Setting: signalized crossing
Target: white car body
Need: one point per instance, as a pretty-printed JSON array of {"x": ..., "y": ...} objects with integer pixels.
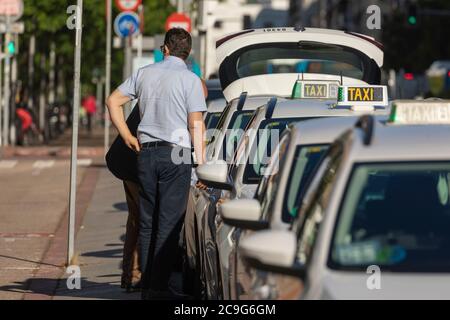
[
  {"x": 388, "y": 143},
  {"x": 226, "y": 235}
]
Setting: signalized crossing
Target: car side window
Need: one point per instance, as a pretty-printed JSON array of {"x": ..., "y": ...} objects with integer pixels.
[
  {"x": 268, "y": 188},
  {"x": 316, "y": 201}
]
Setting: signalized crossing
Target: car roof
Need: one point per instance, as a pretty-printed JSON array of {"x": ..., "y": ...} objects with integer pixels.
[
  {"x": 320, "y": 131},
  {"x": 217, "y": 105},
  {"x": 305, "y": 108},
  {"x": 252, "y": 102},
  {"x": 392, "y": 142}
]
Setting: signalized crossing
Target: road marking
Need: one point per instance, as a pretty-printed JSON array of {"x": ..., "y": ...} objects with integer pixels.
[
  {"x": 43, "y": 164},
  {"x": 20, "y": 268},
  {"x": 8, "y": 164},
  {"x": 39, "y": 165},
  {"x": 26, "y": 235},
  {"x": 84, "y": 162}
]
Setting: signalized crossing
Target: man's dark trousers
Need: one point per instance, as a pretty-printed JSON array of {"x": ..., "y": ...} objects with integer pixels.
[{"x": 163, "y": 200}]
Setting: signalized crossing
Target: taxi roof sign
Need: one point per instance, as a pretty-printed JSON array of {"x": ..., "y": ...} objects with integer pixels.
[
  {"x": 310, "y": 89},
  {"x": 420, "y": 112},
  {"x": 363, "y": 95}
]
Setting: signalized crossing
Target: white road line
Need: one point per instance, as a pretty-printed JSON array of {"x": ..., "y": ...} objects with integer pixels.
[
  {"x": 8, "y": 164},
  {"x": 43, "y": 164},
  {"x": 84, "y": 162},
  {"x": 39, "y": 165}
]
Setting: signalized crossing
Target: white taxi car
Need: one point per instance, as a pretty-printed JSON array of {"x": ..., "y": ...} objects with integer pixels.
[
  {"x": 251, "y": 160},
  {"x": 374, "y": 222},
  {"x": 245, "y": 65},
  {"x": 280, "y": 191}
]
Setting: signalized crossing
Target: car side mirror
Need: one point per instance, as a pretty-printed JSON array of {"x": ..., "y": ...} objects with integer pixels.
[
  {"x": 214, "y": 175},
  {"x": 243, "y": 213},
  {"x": 272, "y": 251}
]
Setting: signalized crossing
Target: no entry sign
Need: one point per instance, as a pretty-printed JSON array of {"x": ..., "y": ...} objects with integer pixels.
[
  {"x": 128, "y": 5},
  {"x": 178, "y": 20}
]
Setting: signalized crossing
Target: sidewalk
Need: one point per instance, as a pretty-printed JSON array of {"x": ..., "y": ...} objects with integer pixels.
[{"x": 99, "y": 244}]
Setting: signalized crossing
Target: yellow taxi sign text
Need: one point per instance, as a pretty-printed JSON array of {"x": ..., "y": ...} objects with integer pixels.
[
  {"x": 363, "y": 95},
  {"x": 420, "y": 112}
]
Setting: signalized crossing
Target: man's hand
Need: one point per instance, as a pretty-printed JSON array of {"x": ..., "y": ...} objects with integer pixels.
[
  {"x": 200, "y": 186},
  {"x": 133, "y": 143}
]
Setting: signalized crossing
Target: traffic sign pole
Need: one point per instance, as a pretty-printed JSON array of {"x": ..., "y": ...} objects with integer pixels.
[
  {"x": 75, "y": 117},
  {"x": 108, "y": 68},
  {"x": 6, "y": 96}
]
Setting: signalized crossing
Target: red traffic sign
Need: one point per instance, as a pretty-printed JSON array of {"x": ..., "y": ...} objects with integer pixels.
[
  {"x": 12, "y": 9},
  {"x": 178, "y": 20},
  {"x": 128, "y": 5}
]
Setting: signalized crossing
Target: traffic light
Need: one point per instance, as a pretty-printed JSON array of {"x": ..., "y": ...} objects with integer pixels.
[
  {"x": 11, "y": 48},
  {"x": 412, "y": 15}
]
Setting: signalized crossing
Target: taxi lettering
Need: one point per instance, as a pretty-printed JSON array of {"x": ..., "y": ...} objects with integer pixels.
[
  {"x": 361, "y": 94},
  {"x": 315, "y": 90}
]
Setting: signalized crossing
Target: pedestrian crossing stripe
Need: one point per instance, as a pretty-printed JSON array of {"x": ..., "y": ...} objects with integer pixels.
[
  {"x": 84, "y": 162},
  {"x": 8, "y": 164},
  {"x": 43, "y": 164}
]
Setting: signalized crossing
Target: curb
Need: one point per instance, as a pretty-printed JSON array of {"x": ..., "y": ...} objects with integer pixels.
[{"x": 45, "y": 281}]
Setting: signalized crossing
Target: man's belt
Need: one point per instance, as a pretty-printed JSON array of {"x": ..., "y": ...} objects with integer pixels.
[{"x": 155, "y": 144}]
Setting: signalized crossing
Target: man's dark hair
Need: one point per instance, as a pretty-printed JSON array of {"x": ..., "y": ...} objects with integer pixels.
[{"x": 179, "y": 42}]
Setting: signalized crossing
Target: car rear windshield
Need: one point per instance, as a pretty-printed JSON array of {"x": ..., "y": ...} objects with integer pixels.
[
  {"x": 305, "y": 162},
  {"x": 304, "y": 57},
  {"x": 266, "y": 140},
  {"x": 396, "y": 216}
]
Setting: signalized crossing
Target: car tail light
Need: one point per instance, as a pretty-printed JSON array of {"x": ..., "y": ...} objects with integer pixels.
[
  {"x": 231, "y": 36},
  {"x": 408, "y": 76}
]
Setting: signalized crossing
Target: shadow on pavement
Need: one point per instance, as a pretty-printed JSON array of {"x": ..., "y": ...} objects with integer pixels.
[
  {"x": 121, "y": 206},
  {"x": 89, "y": 289},
  {"x": 113, "y": 253}
]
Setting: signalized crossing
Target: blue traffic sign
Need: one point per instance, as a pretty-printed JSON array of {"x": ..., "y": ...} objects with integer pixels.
[{"x": 126, "y": 24}]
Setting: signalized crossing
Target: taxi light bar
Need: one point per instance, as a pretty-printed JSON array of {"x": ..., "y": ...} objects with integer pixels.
[
  {"x": 311, "y": 89},
  {"x": 420, "y": 112},
  {"x": 360, "y": 96}
]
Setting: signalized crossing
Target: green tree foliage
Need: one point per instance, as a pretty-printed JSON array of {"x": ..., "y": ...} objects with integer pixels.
[{"x": 47, "y": 21}]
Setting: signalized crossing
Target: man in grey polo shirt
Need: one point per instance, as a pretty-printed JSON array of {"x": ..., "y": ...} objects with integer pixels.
[{"x": 171, "y": 102}]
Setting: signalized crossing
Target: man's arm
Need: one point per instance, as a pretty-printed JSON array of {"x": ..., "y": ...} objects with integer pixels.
[
  {"x": 197, "y": 131},
  {"x": 115, "y": 103}
]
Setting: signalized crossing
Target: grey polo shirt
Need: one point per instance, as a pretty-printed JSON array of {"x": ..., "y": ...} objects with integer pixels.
[{"x": 167, "y": 92}]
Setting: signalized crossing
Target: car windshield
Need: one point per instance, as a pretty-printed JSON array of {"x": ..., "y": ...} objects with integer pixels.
[
  {"x": 212, "y": 119},
  {"x": 233, "y": 135},
  {"x": 306, "y": 160},
  {"x": 211, "y": 122},
  {"x": 267, "y": 138},
  {"x": 304, "y": 57},
  {"x": 396, "y": 216}
]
